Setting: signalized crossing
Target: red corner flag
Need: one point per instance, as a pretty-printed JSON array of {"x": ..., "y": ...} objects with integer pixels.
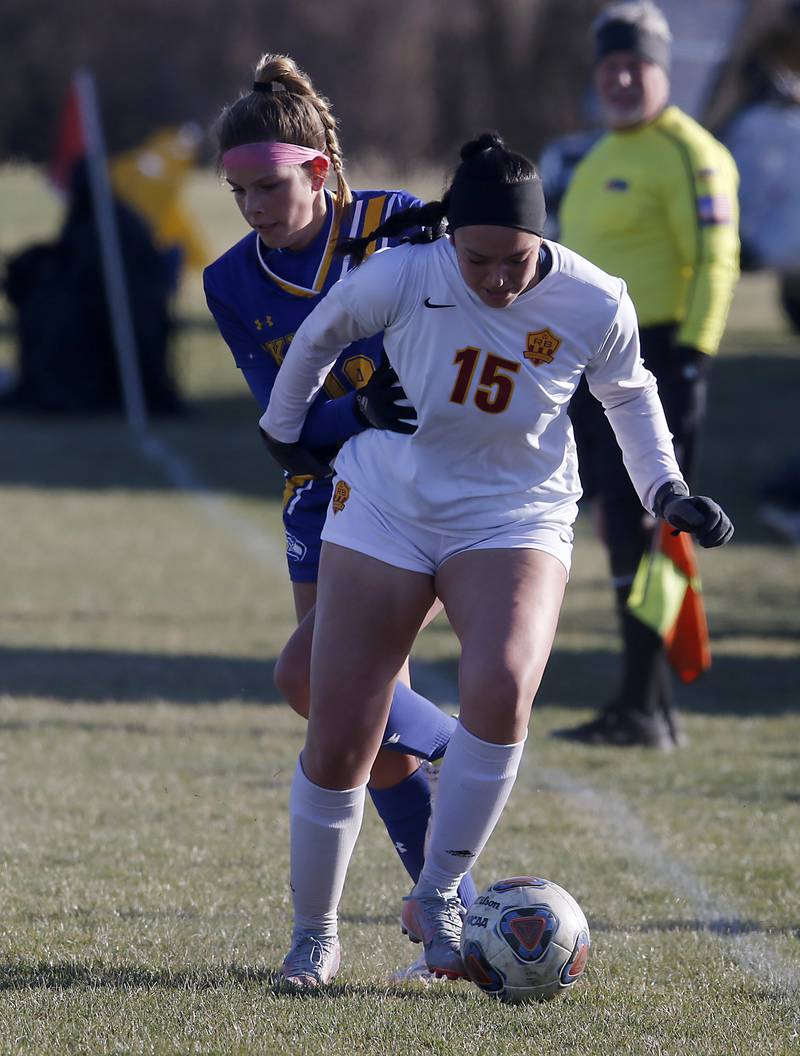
[
  {"x": 667, "y": 596},
  {"x": 71, "y": 142}
]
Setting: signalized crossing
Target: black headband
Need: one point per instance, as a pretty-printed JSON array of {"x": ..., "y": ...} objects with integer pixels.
[
  {"x": 625, "y": 36},
  {"x": 270, "y": 87},
  {"x": 476, "y": 201}
]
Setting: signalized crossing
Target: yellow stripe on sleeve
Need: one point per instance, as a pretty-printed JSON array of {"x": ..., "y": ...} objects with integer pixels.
[{"x": 372, "y": 219}]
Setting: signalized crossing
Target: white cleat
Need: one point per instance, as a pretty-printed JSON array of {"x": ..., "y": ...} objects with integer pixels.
[
  {"x": 311, "y": 963},
  {"x": 417, "y": 972},
  {"x": 432, "y": 771}
]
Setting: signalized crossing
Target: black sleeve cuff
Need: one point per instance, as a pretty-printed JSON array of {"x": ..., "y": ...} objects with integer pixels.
[{"x": 673, "y": 489}]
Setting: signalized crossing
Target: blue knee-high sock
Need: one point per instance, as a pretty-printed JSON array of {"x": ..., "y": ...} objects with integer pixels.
[
  {"x": 405, "y": 811},
  {"x": 416, "y": 726}
]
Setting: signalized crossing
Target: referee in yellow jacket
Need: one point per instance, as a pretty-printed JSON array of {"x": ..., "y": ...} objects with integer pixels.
[{"x": 655, "y": 202}]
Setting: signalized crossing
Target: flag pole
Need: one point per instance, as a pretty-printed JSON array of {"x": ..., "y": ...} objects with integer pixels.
[{"x": 116, "y": 289}]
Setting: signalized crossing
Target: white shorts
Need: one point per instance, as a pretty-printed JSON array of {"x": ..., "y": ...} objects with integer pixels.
[{"x": 353, "y": 521}]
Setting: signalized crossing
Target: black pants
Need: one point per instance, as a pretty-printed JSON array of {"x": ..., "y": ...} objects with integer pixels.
[{"x": 682, "y": 376}]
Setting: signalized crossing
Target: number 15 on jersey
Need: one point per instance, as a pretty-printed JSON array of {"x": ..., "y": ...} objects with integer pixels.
[{"x": 495, "y": 385}]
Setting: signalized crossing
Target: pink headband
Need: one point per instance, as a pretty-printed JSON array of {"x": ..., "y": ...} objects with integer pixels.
[{"x": 272, "y": 154}]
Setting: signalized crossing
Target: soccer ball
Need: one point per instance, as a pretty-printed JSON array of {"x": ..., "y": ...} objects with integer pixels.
[{"x": 525, "y": 939}]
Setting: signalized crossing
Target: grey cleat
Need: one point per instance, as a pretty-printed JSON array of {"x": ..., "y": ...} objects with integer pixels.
[
  {"x": 311, "y": 963},
  {"x": 435, "y": 921}
]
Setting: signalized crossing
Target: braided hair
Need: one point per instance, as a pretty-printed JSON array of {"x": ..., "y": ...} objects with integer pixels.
[{"x": 291, "y": 112}]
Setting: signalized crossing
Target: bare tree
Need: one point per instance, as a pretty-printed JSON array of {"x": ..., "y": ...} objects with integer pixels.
[{"x": 408, "y": 81}]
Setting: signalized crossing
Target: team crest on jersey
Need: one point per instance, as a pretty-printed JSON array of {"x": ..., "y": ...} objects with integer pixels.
[
  {"x": 341, "y": 494},
  {"x": 541, "y": 346}
]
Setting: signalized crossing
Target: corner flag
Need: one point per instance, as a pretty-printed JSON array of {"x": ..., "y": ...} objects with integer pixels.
[
  {"x": 667, "y": 596},
  {"x": 80, "y": 136},
  {"x": 70, "y": 142}
]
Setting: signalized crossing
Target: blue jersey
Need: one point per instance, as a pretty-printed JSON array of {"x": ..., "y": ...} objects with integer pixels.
[{"x": 259, "y": 297}]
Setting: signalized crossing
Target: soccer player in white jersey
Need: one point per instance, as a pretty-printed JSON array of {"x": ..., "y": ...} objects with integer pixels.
[{"x": 489, "y": 330}]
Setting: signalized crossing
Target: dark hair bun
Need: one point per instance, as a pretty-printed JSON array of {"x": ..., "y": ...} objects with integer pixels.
[{"x": 485, "y": 141}]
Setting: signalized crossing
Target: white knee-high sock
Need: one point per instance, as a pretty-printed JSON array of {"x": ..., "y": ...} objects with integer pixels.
[
  {"x": 324, "y": 828},
  {"x": 475, "y": 782}
]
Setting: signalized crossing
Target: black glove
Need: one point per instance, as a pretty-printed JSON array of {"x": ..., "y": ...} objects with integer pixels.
[
  {"x": 377, "y": 406},
  {"x": 696, "y": 514},
  {"x": 298, "y": 461},
  {"x": 691, "y": 362}
]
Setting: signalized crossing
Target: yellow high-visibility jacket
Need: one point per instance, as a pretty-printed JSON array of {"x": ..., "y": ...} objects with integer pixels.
[{"x": 657, "y": 205}]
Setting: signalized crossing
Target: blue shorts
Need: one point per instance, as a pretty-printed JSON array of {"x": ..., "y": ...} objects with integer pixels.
[{"x": 305, "y": 504}]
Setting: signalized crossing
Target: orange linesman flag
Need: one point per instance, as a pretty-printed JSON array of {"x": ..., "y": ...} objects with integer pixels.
[{"x": 667, "y": 596}]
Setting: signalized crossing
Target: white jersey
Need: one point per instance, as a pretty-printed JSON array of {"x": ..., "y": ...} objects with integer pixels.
[{"x": 491, "y": 386}]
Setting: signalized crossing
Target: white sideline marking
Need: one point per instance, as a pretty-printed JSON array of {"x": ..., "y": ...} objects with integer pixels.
[
  {"x": 756, "y": 954},
  {"x": 255, "y": 542}
]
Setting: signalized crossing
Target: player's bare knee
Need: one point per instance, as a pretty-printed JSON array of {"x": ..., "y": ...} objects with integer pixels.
[
  {"x": 501, "y": 694},
  {"x": 338, "y": 769},
  {"x": 498, "y": 685},
  {"x": 291, "y": 682}
]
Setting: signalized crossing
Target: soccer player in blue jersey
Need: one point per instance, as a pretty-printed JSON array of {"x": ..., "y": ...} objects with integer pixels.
[{"x": 276, "y": 146}]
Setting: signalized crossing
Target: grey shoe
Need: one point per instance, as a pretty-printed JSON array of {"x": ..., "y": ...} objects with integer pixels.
[
  {"x": 435, "y": 921},
  {"x": 310, "y": 963}
]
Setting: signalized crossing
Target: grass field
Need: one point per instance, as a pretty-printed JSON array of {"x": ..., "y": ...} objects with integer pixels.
[{"x": 146, "y": 757}]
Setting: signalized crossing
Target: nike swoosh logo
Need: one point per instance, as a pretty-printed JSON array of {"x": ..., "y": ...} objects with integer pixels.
[{"x": 429, "y": 304}]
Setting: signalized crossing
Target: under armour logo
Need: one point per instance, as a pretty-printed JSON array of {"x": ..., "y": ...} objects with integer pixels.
[
  {"x": 394, "y": 739},
  {"x": 400, "y": 847}
]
